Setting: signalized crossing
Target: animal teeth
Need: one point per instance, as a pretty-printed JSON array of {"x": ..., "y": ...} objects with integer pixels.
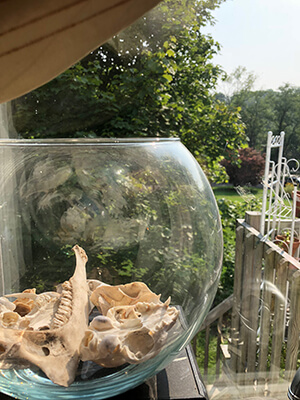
[
  {"x": 51, "y": 329},
  {"x": 127, "y": 333},
  {"x": 55, "y": 351}
]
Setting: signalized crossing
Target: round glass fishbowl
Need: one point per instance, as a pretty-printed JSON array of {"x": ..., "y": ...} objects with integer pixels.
[{"x": 143, "y": 213}]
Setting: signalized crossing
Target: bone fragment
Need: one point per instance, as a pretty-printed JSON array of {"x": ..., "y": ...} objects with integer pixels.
[
  {"x": 128, "y": 334},
  {"x": 105, "y": 296}
]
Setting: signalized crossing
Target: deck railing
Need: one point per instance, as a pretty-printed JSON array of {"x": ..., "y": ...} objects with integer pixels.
[{"x": 264, "y": 311}]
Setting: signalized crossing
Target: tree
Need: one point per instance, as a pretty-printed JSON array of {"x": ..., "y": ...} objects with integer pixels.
[
  {"x": 287, "y": 118},
  {"x": 268, "y": 110},
  {"x": 248, "y": 169},
  {"x": 257, "y": 113},
  {"x": 151, "y": 88},
  {"x": 237, "y": 83}
]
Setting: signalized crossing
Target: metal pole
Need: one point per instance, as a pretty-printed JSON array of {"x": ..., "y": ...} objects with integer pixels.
[
  {"x": 265, "y": 184},
  {"x": 293, "y": 221},
  {"x": 270, "y": 197},
  {"x": 284, "y": 171},
  {"x": 279, "y": 164}
]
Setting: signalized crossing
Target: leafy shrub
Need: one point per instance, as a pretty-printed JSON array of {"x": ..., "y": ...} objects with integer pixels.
[
  {"x": 289, "y": 188},
  {"x": 230, "y": 211},
  {"x": 249, "y": 167}
]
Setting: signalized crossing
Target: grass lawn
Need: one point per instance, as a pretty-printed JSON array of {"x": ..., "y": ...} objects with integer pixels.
[{"x": 230, "y": 193}]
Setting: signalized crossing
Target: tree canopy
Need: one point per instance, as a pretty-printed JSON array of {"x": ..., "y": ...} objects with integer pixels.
[
  {"x": 270, "y": 110},
  {"x": 143, "y": 82}
]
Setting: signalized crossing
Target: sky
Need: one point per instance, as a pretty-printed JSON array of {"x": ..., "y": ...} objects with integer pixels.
[{"x": 261, "y": 35}]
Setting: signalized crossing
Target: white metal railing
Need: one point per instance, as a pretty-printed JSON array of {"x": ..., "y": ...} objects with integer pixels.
[{"x": 277, "y": 204}]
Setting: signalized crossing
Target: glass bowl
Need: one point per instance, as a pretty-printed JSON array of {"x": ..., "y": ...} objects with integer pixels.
[{"x": 141, "y": 209}]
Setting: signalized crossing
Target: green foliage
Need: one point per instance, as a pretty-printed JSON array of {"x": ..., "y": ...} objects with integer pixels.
[
  {"x": 241, "y": 80},
  {"x": 143, "y": 84},
  {"x": 257, "y": 113},
  {"x": 289, "y": 188},
  {"x": 200, "y": 353},
  {"x": 140, "y": 215},
  {"x": 230, "y": 211},
  {"x": 268, "y": 110}
]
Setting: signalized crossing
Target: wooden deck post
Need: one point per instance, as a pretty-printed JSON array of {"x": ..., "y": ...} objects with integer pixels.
[
  {"x": 254, "y": 306},
  {"x": 245, "y": 304},
  {"x": 253, "y": 218},
  {"x": 206, "y": 353},
  {"x": 235, "y": 317},
  {"x": 279, "y": 316},
  {"x": 294, "y": 328},
  {"x": 268, "y": 282}
]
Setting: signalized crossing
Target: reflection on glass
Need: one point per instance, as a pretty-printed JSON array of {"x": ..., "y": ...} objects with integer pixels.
[{"x": 142, "y": 210}]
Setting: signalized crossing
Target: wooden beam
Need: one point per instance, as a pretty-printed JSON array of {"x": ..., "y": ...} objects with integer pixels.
[
  {"x": 235, "y": 316},
  {"x": 294, "y": 328},
  {"x": 266, "y": 311},
  {"x": 217, "y": 312},
  {"x": 279, "y": 316}
]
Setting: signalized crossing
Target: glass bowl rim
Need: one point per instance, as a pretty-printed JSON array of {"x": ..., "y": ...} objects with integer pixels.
[{"x": 87, "y": 141}]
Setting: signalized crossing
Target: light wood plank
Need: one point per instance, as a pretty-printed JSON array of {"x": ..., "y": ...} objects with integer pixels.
[
  {"x": 294, "y": 327},
  {"x": 245, "y": 303},
  {"x": 235, "y": 317},
  {"x": 254, "y": 305},
  {"x": 265, "y": 318},
  {"x": 218, "y": 355},
  {"x": 279, "y": 316},
  {"x": 206, "y": 353}
]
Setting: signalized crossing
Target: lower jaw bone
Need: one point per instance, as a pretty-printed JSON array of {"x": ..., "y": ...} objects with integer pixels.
[
  {"x": 55, "y": 351},
  {"x": 52, "y": 331}
]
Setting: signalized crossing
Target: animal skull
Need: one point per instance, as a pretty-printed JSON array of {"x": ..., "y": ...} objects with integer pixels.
[
  {"x": 128, "y": 334},
  {"x": 104, "y": 296},
  {"x": 50, "y": 330}
]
